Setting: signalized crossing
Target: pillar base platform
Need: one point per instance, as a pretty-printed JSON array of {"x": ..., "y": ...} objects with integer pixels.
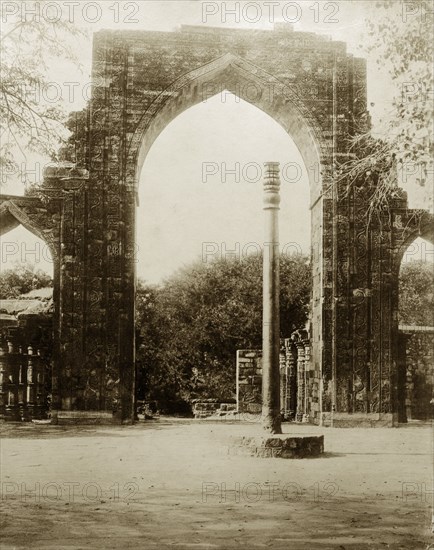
[{"x": 278, "y": 446}]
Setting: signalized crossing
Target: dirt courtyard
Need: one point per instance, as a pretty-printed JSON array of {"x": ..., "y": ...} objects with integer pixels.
[{"x": 172, "y": 484}]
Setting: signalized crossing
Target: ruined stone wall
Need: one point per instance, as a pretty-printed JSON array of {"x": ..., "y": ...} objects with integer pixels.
[{"x": 249, "y": 381}]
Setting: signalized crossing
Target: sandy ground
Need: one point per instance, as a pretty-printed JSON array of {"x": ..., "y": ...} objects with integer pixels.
[{"x": 172, "y": 484}]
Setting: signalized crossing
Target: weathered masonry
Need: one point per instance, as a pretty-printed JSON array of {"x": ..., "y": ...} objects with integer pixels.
[{"x": 86, "y": 213}]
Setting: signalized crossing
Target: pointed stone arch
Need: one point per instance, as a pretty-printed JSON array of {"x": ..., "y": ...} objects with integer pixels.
[
  {"x": 411, "y": 225},
  {"x": 33, "y": 216},
  {"x": 248, "y": 82},
  {"x": 42, "y": 216}
]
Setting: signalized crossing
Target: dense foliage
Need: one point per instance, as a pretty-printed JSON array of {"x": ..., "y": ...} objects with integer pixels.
[
  {"x": 399, "y": 147},
  {"x": 33, "y": 40},
  {"x": 22, "y": 279},
  {"x": 401, "y": 36},
  {"x": 190, "y": 327}
]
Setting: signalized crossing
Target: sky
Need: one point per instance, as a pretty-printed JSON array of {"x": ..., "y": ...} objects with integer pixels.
[{"x": 192, "y": 203}]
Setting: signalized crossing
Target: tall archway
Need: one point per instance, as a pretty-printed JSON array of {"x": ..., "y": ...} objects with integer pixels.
[
  {"x": 190, "y": 170},
  {"x": 316, "y": 93},
  {"x": 283, "y": 103},
  {"x": 201, "y": 194}
]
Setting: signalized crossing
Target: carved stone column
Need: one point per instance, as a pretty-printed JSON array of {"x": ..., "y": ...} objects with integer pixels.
[
  {"x": 12, "y": 409},
  {"x": 283, "y": 381},
  {"x": 3, "y": 379},
  {"x": 291, "y": 362},
  {"x": 271, "y": 421},
  {"x": 301, "y": 386},
  {"x": 308, "y": 390}
]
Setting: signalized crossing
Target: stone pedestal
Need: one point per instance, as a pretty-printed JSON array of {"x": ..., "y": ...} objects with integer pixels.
[{"x": 279, "y": 446}]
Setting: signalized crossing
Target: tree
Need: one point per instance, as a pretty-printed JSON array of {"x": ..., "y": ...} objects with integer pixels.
[
  {"x": 191, "y": 326},
  {"x": 401, "y": 38},
  {"x": 416, "y": 293},
  {"x": 30, "y": 121},
  {"x": 22, "y": 279}
]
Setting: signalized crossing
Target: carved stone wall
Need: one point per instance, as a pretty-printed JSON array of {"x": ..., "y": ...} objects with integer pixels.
[
  {"x": 249, "y": 381},
  {"x": 365, "y": 335}
]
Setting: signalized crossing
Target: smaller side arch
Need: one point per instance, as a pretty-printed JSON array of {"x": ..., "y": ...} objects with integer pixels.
[
  {"x": 33, "y": 216},
  {"x": 409, "y": 226}
]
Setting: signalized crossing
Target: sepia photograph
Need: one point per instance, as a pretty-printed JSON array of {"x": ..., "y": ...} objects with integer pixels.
[{"x": 217, "y": 274}]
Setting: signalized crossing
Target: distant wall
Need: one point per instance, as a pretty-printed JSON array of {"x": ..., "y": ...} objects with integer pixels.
[{"x": 249, "y": 381}]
